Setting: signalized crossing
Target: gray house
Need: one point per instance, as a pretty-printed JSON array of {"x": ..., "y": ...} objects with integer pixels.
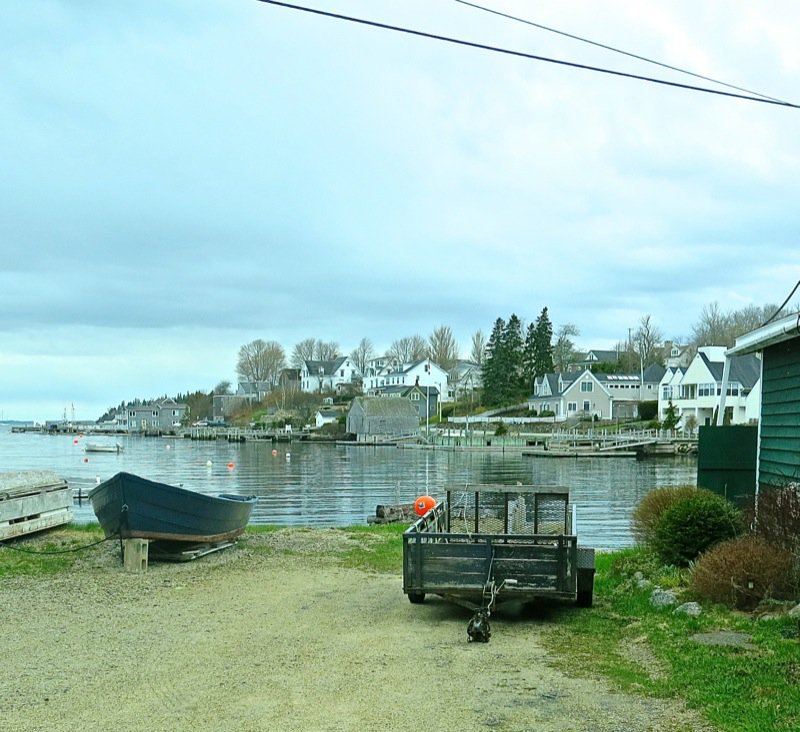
[
  {"x": 373, "y": 419},
  {"x": 164, "y": 416},
  {"x": 779, "y": 414}
]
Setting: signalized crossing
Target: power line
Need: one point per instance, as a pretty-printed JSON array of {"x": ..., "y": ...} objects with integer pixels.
[
  {"x": 616, "y": 50},
  {"x": 530, "y": 56}
]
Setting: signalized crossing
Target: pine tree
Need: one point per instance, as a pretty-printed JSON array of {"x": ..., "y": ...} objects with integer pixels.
[
  {"x": 543, "y": 345},
  {"x": 529, "y": 357},
  {"x": 513, "y": 345},
  {"x": 491, "y": 368}
]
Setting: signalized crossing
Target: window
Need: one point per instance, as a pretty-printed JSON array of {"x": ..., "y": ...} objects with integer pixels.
[
  {"x": 586, "y": 406},
  {"x": 587, "y": 386},
  {"x": 572, "y": 406},
  {"x": 414, "y": 396}
]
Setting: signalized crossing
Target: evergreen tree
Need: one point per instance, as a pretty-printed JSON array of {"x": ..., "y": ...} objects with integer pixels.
[
  {"x": 543, "y": 345},
  {"x": 529, "y": 357},
  {"x": 491, "y": 369},
  {"x": 512, "y": 350}
]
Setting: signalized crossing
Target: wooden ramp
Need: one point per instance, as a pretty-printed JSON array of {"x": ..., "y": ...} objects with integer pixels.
[{"x": 31, "y": 501}]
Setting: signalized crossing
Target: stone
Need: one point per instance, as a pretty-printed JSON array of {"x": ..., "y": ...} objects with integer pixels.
[
  {"x": 692, "y": 609},
  {"x": 663, "y": 598},
  {"x": 795, "y": 612}
]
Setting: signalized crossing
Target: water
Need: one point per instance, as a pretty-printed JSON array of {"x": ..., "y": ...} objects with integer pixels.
[{"x": 306, "y": 484}]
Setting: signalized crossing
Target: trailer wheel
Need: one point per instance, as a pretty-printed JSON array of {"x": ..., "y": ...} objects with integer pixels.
[
  {"x": 584, "y": 596},
  {"x": 416, "y": 597},
  {"x": 584, "y": 599}
]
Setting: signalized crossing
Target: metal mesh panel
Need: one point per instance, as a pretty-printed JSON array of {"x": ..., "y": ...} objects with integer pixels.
[{"x": 507, "y": 513}]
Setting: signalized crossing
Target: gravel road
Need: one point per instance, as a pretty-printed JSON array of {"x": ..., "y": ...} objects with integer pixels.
[{"x": 256, "y": 639}]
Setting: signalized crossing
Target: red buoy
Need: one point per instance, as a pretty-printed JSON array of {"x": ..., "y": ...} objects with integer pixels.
[{"x": 423, "y": 504}]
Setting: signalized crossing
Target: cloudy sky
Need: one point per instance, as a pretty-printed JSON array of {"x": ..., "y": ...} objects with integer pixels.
[{"x": 184, "y": 176}]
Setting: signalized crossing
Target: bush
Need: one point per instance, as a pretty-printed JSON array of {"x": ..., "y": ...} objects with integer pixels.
[
  {"x": 742, "y": 572},
  {"x": 694, "y": 524},
  {"x": 649, "y": 510},
  {"x": 648, "y": 410}
]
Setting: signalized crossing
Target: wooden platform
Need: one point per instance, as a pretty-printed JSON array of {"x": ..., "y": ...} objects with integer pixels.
[{"x": 31, "y": 501}]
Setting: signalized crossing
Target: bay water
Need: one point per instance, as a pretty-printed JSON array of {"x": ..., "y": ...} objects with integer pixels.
[{"x": 326, "y": 484}]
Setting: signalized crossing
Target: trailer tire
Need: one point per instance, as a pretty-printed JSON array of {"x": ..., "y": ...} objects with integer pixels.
[
  {"x": 584, "y": 598},
  {"x": 416, "y": 598}
]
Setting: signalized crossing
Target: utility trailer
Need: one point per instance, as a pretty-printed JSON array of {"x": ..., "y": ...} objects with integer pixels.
[{"x": 489, "y": 544}]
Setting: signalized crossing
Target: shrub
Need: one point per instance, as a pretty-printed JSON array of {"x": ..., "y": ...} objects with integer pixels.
[
  {"x": 742, "y": 572},
  {"x": 649, "y": 510},
  {"x": 694, "y": 524},
  {"x": 648, "y": 410},
  {"x": 501, "y": 429}
]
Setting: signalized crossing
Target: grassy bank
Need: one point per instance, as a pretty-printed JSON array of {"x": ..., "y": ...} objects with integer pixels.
[{"x": 639, "y": 648}]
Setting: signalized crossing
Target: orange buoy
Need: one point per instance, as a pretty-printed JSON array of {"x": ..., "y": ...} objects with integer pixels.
[
  {"x": 231, "y": 466},
  {"x": 423, "y": 504},
  {"x": 274, "y": 453}
]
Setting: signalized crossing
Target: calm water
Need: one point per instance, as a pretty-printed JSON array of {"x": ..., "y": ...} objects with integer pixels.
[{"x": 330, "y": 485}]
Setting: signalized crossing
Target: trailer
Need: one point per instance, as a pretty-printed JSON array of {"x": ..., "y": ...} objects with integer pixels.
[{"x": 489, "y": 544}]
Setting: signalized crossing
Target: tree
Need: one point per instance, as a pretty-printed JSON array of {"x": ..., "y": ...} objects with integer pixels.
[
  {"x": 543, "y": 345},
  {"x": 362, "y": 354},
  {"x": 491, "y": 372},
  {"x": 670, "y": 416},
  {"x": 715, "y": 328},
  {"x": 224, "y": 387},
  {"x": 302, "y": 352},
  {"x": 260, "y": 361},
  {"x": 326, "y": 351},
  {"x": 564, "y": 348},
  {"x": 478, "y": 352},
  {"x": 442, "y": 347},
  {"x": 648, "y": 341},
  {"x": 408, "y": 350},
  {"x": 512, "y": 352}
]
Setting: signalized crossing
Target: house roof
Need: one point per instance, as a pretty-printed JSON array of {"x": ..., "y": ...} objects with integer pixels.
[
  {"x": 382, "y": 407},
  {"x": 654, "y": 373},
  {"x": 601, "y": 355},
  {"x": 328, "y": 367},
  {"x": 744, "y": 369},
  {"x": 404, "y": 389},
  {"x": 767, "y": 335}
]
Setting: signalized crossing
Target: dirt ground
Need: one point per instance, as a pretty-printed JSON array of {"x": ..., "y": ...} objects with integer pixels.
[{"x": 253, "y": 640}]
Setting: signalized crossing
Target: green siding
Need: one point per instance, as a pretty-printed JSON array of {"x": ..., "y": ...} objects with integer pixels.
[
  {"x": 779, "y": 460},
  {"x": 726, "y": 461}
]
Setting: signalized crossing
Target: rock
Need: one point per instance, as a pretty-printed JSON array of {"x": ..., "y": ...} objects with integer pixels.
[
  {"x": 663, "y": 598},
  {"x": 795, "y": 612},
  {"x": 724, "y": 638},
  {"x": 643, "y": 584},
  {"x": 692, "y": 609}
]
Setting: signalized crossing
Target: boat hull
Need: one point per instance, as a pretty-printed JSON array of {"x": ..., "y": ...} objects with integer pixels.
[{"x": 131, "y": 507}]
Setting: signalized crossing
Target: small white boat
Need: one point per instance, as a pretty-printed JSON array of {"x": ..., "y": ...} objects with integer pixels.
[{"x": 94, "y": 447}]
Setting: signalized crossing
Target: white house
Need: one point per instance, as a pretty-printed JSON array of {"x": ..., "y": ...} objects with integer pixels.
[
  {"x": 421, "y": 373},
  {"x": 326, "y": 376},
  {"x": 696, "y": 390}
]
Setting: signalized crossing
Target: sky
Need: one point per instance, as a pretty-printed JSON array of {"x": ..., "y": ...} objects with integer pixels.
[{"x": 182, "y": 177}]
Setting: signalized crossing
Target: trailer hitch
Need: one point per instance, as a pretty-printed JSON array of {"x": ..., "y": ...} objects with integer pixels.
[{"x": 478, "y": 629}]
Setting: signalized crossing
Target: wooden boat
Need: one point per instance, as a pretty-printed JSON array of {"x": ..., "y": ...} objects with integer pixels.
[
  {"x": 33, "y": 500},
  {"x": 488, "y": 544},
  {"x": 130, "y": 507}
]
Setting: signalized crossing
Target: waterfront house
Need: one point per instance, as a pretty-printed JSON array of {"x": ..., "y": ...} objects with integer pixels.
[
  {"x": 696, "y": 389},
  {"x": 423, "y": 373},
  {"x": 778, "y": 462},
  {"x": 426, "y": 400},
  {"x": 326, "y": 415},
  {"x": 376, "y": 419},
  {"x": 160, "y": 417},
  {"x": 327, "y": 376},
  {"x": 587, "y": 395}
]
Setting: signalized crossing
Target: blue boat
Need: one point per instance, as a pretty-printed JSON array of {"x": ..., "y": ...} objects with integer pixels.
[{"x": 131, "y": 507}]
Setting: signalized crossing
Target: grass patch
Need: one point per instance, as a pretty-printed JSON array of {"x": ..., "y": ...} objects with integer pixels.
[
  {"x": 47, "y": 553},
  {"x": 650, "y": 650},
  {"x": 379, "y": 548}
]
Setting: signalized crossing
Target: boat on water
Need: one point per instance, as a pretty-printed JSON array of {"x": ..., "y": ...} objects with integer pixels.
[
  {"x": 95, "y": 447},
  {"x": 131, "y": 507}
]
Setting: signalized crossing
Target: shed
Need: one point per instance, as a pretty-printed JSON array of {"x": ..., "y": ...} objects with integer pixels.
[
  {"x": 382, "y": 418},
  {"x": 779, "y": 413}
]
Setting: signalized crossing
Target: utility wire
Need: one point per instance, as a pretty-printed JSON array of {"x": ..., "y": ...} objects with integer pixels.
[
  {"x": 530, "y": 56},
  {"x": 617, "y": 50},
  {"x": 783, "y": 305}
]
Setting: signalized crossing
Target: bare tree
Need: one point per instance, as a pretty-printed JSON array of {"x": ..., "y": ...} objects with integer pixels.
[
  {"x": 406, "y": 350},
  {"x": 648, "y": 341},
  {"x": 326, "y": 351},
  {"x": 303, "y": 351},
  {"x": 715, "y": 328},
  {"x": 442, "y": 347},
  {"x": 564, "y": 348},
  {"x": 260, "y": 361},
  {"x": 362, "y": 354},
  {"x": 224, "y": 387},
  {"x": 478, "y": 352}
]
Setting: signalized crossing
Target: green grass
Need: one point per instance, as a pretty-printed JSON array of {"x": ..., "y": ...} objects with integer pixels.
[
  {"x": 47, "y": 553},
  {"x": 737, "y": 689},
  {"x": 382, "y": 552}
]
